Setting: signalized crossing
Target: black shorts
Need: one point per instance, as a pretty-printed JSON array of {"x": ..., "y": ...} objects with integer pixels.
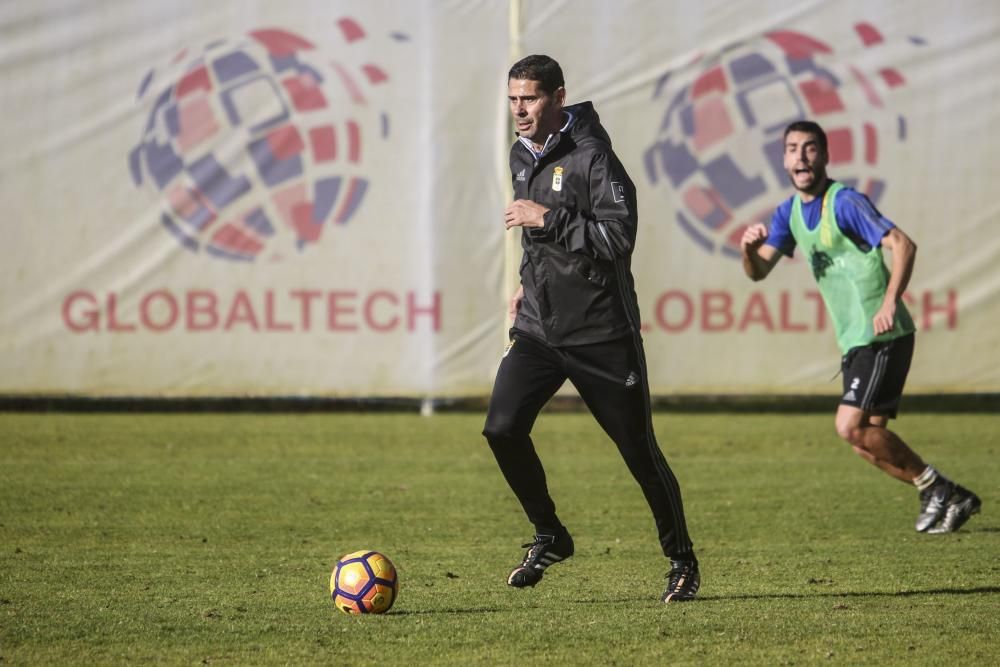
[{"x": 874, "y": 375}]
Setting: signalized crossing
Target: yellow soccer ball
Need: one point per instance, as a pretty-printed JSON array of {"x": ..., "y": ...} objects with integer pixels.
[{"x": 364, "y": 582}]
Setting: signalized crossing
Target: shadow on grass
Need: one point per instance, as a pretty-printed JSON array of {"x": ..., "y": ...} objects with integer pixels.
[
  {"x": 858, "y": 594},
  {"x": 434, "y": 612},
  {"x": 826, "y": 594},
  {"x": 707, "y": 598}
]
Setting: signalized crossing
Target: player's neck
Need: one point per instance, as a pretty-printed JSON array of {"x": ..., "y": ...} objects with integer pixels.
[
  {"x": 815, "y": 191},
  {"x": 557, "y": 124}
]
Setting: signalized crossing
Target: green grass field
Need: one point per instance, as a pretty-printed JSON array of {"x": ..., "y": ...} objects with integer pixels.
[{"x": 209, "y": 538}]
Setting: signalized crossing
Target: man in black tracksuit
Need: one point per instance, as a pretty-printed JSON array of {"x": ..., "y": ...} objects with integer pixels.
[{"x": 576, "y": 317}]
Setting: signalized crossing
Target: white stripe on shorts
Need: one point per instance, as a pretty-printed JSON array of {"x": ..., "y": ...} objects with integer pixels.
[{"x": 875, "y": 382}]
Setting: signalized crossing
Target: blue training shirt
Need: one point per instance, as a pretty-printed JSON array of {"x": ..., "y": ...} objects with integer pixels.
[{"x": 856, "y": 216}]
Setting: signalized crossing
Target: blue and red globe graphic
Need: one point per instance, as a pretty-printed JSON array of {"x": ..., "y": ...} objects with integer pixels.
[
  {"x": 257, "y": 145},
  {"x": 719, "y": 149}
]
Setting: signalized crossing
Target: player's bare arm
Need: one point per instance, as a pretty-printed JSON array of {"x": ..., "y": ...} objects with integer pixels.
[
  {"x": 904, "y": 252},
  {"x": 758, "y": 258},
  {"x": 524, "y": 213}
]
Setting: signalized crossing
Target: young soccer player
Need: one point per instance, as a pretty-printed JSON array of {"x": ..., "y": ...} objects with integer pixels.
[{"x": 843, "y": 234}]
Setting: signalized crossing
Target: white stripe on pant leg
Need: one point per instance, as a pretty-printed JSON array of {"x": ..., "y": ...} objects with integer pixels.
[{"x": 667, "y": 478}]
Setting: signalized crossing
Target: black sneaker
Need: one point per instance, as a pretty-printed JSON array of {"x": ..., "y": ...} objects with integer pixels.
[
  {"x": 683, "y": 581},
  {"x": 933, "y": 504},
  {"x": 544, "y": 551},
  {"x": 961, "y": 506}
]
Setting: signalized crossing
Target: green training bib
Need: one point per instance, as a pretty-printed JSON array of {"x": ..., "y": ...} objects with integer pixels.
[{"x": 851, "y": 281}]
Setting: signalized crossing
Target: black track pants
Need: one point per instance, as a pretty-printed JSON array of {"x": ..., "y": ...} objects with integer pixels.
[{"x": 611, "y": 379}]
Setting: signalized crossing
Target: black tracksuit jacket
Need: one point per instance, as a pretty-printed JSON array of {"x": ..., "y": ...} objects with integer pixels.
[{"x": 576, "y": 270}]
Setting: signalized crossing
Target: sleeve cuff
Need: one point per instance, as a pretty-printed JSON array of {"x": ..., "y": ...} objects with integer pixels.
[{"x": 543, "y": 231}]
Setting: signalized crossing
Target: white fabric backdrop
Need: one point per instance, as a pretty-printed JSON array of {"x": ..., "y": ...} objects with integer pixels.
[{"x": 244, "y": 198}]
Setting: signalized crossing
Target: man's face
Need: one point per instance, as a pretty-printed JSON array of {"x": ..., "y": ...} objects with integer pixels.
[
  {"x": 805, "y": 161},
  {"x": 537, "y": 114}
]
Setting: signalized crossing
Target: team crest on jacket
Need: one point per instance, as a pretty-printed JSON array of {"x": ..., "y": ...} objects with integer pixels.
[{"x": 557, "y": 179}]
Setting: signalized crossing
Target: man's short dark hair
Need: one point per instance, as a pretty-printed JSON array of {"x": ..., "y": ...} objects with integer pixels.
[
  {"x": 809, "y": 127},
  {"x": 542, "y": 69}
]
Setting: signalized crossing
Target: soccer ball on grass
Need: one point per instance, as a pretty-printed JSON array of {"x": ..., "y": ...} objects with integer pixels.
[{"x": 364, "y": 582}]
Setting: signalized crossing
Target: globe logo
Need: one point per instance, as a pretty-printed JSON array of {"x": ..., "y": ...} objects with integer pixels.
[
  {"x": 256, "y": 146},
  {"x": 717, "y": 156}
]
